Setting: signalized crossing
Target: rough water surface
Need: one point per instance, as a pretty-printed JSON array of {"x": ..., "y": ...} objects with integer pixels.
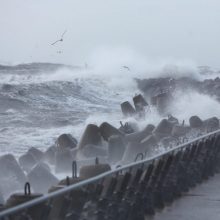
[{"x": 38, "y": 102}]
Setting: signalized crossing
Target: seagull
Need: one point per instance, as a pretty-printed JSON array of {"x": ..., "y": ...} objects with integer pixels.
[
  {"x": 126, "y": 67},
  {"x": 61, "y": 39}
]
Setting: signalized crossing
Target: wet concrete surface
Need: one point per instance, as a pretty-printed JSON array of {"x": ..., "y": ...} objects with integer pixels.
[{"x": 200, "y": 203}]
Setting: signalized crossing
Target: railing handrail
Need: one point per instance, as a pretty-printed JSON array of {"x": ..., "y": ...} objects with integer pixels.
[{"x": 80, "y": 184}]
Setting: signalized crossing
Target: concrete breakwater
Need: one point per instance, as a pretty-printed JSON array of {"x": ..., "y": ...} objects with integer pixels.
[
  {"x": 99, "y": 150},
  {"x": 129, "y": 192}
]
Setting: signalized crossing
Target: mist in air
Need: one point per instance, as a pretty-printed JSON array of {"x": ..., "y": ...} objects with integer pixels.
[
  {"x": 158, "y": 30},
  {"x": 67, "y": 64}
]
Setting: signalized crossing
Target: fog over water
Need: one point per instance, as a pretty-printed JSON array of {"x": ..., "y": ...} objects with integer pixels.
[{"x": 157, "y": 30}]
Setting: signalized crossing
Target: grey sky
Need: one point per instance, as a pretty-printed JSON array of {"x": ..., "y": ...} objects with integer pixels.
[{"x": 158, "y": 29}]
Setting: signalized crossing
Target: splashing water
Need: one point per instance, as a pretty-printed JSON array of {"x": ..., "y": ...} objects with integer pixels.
[{"x": 36, "y": 107}]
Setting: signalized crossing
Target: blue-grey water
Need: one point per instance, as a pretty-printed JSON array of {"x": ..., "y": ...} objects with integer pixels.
[{"x": 38, "y": 102}]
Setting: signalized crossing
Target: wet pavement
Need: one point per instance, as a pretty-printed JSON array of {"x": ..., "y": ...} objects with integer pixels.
[{"x": 200, "y": 203}]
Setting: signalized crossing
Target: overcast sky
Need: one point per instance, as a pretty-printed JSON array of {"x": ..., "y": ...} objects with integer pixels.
[{"x": 158, "y": 29}]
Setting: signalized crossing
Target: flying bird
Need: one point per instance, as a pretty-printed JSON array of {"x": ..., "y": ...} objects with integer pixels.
[
  {"x": 61, "y": 39},
  {"x": 126, "y": 67}
]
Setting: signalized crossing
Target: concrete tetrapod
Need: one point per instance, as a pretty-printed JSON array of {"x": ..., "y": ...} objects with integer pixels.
[
  {"x": 139, "y": 102},
  {"x": 19, "y": 198},
  {"x": 93, "y": 170},
  {"x": 108, "y": 130},
  {"x": 41, "y": 178},
  {"x": 91, "y": 135},
  {"x": 163, "y": 129},
  {"x": 75, "y": 199},
  {"x": 127, "y": 109},
  {"x": 116, "y": 148},
  {"x": 66, "y": 141}
]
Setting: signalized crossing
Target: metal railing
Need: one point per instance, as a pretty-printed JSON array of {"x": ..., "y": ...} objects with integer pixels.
[{"x": 47, "y": 199}]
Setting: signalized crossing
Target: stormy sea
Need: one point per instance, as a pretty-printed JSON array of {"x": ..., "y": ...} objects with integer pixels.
[
  {"x": 40, "y": 101},
  {"x": 54, "y": 115}
]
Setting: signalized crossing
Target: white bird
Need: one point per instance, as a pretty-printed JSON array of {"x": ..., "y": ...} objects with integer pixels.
[{"x": 61, "y": 39}]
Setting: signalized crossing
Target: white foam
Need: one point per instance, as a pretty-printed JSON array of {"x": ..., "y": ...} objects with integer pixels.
[
  {"x": 190, "y": 103},
  {"x": 106, "y": 79}
]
